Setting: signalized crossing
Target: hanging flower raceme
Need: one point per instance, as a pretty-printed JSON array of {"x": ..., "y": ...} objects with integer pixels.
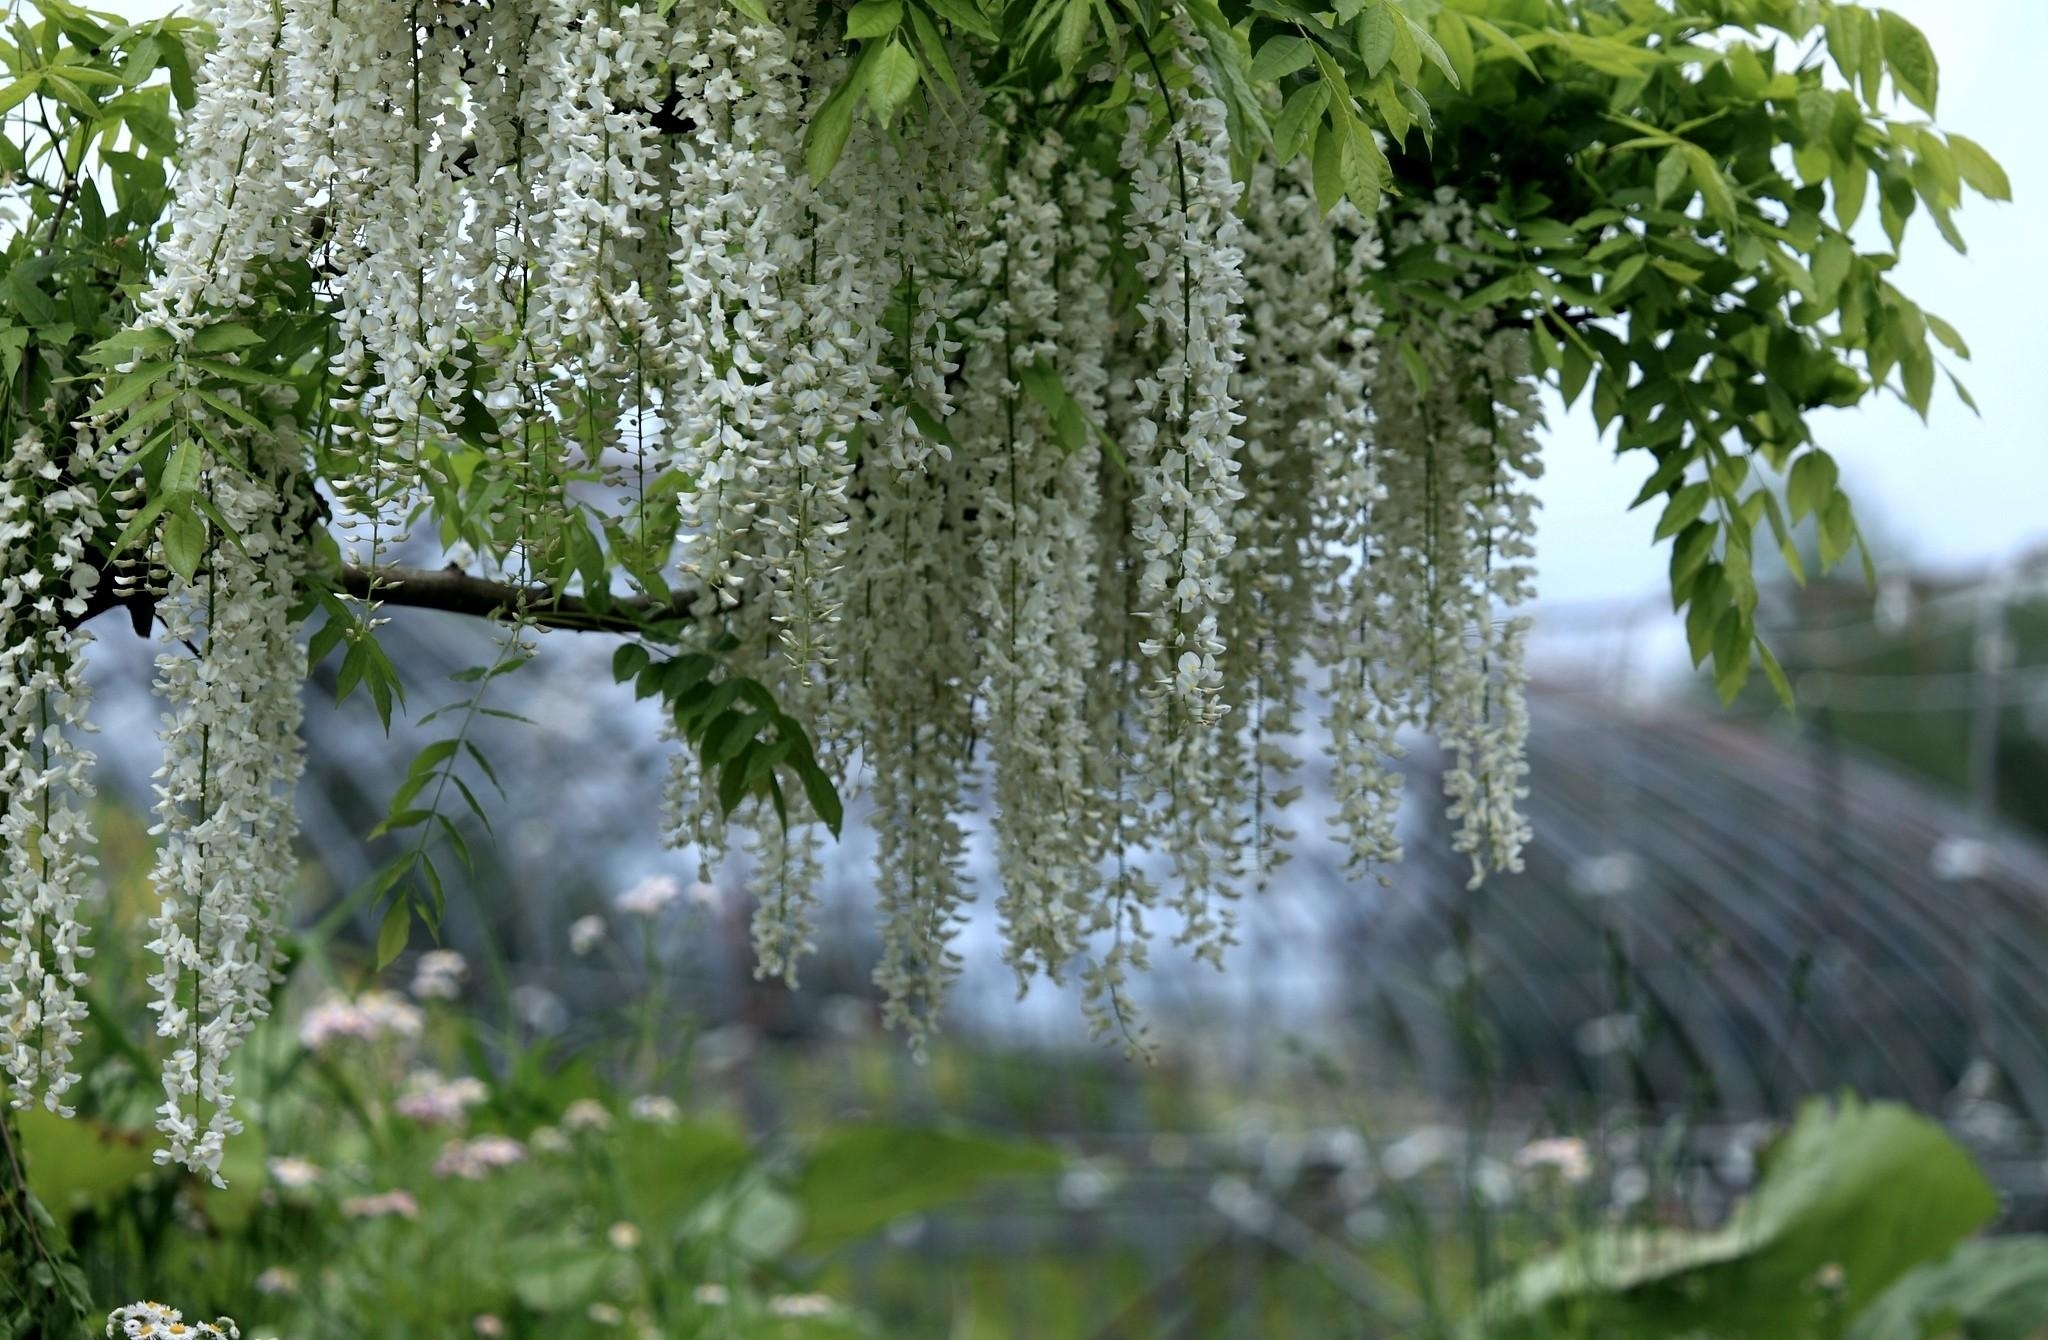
[
  {"x": 228, "y": 676},
  {"x": 1296, "y": 359},
  {"x": 1017, "y": 456},
  {"x": 1183, "y": 446},
  {"x": 1452, "y": 543},
  {"x": 736, "y": 254},
  {"x": 1033, "y": 494},
  {"x": 48, "y": 512},
  {"x": 1358, "y": 641}
]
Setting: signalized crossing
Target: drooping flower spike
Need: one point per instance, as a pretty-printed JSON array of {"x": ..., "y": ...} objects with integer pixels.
[{"x": 1029, "y": 459}]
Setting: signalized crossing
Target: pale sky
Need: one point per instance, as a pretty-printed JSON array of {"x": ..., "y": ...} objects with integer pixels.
[{"x": 1959, "y": 492}]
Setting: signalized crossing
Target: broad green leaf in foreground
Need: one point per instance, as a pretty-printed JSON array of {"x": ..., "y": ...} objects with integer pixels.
[
  {"x": 1856, "y": 1192},
  {"x": 862, "y": 1178},
  {"x": 1991, "y": 1289}
]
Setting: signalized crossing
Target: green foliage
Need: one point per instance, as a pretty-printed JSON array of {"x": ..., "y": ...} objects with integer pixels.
[
  {"x": 1850, "y": 1199},
  {"x": 1993, "y": 1289},
  {"x": 681, "y": 1225},
  {"x": 78, "y": 1164},
  {"x": 862, "y": 1178},
  {"x": 42, "y": 1290},
  {"x": 1673, "y": 217},
  {"x": 423, "y": 800},
  {"x": 743, "y": 740},
  {"x": 84, "y": 171}
]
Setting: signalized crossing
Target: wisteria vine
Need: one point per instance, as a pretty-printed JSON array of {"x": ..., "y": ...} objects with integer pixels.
[{"x": 1045, "y": 458}]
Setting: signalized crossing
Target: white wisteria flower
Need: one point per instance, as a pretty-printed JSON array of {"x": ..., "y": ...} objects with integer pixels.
[{"x": 1037, "y": 460}]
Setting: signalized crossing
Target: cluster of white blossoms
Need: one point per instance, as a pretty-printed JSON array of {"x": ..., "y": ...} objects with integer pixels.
[
  {"x": 1030, "y": 458},
  {"x": 47, "y": 515},
  {"x": 228, "y": 678},
  {"x": 154, "y": 1321}
]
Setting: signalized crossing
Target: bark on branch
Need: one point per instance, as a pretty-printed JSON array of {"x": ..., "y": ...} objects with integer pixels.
[
  {"x": 457, "y": 592},
  {"x": 452, "y": 590}
]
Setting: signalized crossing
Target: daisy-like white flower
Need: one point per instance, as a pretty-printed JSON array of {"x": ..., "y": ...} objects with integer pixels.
[
  {"x": 372, "y": 1017},
  {"x": 154, "y": 1321}
]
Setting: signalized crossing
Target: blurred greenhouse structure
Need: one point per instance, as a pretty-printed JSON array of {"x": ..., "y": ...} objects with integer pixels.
[{"x": 1722, "y": 910}]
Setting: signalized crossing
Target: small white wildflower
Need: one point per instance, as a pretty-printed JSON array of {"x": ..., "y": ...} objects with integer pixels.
[
  {"x": 439, "y": 975},
  {"x": 294, "y": 1173},
  {"x": 539, "y": 1009},
  {"x": 278, "y": 1279},
  {"x": 433, "y": 1100},
  {"x": 372, "y": 1017},
  {"x": 473, "y": 1160},
  {"x": 1564, "y": 1155},
  {"x": 586, "y": 934},
  {"x": 152, "y": 1321},
  {"x": 795, "y": 1305},
  {"x": 656, "y": 1108},
  {"x": 395, "y": 1203},
  {"x": 650, "y": 897}
]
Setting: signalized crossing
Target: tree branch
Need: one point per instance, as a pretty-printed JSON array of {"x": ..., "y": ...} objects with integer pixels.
[
  {"x": 449, "y": 589},
  {"x": 454, "y": 591}
]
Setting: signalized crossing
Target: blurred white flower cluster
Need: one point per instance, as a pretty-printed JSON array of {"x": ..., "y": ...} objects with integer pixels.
[
  {"x": 473, "y": 1160},
  {"x": 372, "y": 1017},
  {"x": 432, "y": 1099},
  {"x": 439, "y": 974}
]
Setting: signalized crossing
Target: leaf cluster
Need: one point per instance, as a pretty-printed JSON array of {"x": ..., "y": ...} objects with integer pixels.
[{"x": 1672, "y": 207}]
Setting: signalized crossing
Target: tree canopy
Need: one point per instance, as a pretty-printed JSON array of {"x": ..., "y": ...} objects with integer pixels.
[{"x": 1068, "y": 407}]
